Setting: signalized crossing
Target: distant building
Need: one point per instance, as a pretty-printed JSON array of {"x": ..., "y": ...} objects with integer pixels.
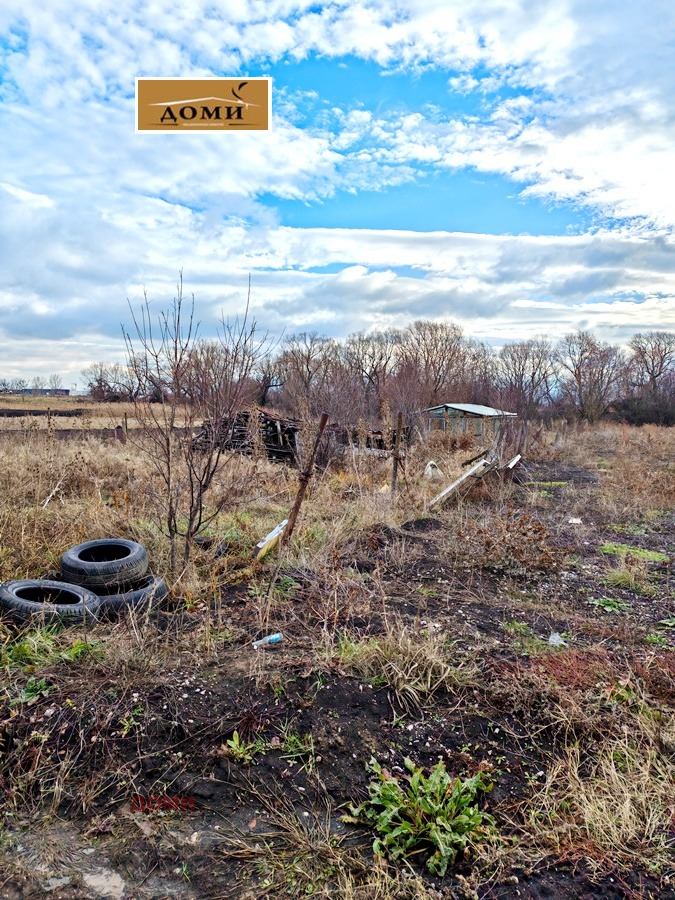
[
  {"x": 43, "y": 392},
  {"x": 467, "y": 418}
]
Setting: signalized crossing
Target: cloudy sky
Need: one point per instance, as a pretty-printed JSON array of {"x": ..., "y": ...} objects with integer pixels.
[{"x": 509, "y": 164}]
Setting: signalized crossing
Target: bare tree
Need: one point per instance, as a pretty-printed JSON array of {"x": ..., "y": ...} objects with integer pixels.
[
  {"x": 111, "y": 382},
  {"x": 434, "y": 354},
  {"x": 478, "y": 383},
  {"x": 403, "y": 392},
  {"x": 268, "y": 379},
  {"x": 343, "y": 396},
  {"x": 592, "y": 371},
  {"x": 647, "y": 386},
  {"x": 373, "y": 358},
  {"x": 96, "y": 380},
  {"x": 526, "y": 375},
  {"x": 189, "y": 379},
  {"x": 653, "y": 356},
  {"x": 55, "y": 382},
  {"x": 305, "y": 366}
]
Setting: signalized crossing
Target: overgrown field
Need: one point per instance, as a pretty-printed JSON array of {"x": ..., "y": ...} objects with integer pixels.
[
  {"x": 484, "y": 694},
  {"x": 75, "y": 413}
]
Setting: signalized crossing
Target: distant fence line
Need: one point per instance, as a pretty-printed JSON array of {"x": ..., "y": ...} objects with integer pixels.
[
  {"x": 14, "y": 413},
  {"x": 102, "y": 434}
]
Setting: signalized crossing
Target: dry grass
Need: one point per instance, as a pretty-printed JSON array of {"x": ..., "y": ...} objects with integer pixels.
[
  {"x": 302, "y": 853},
  {"x": 54, "y": 494},
  {"x": 604, "y": 710},
  {"x": 635, "y": 466},
  {"x": 613, "y": 811},
  {"x": 88, "y": 414},
  {"x": 415, "y": 664},
  {"x": 609, "y": 796}
]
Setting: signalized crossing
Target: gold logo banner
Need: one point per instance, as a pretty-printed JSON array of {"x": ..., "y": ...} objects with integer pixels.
[{"x": 203, "y": 104}]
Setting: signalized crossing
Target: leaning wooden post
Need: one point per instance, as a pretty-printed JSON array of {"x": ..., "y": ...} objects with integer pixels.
[
  {"x": 397, "y": 442},
  {"x": 303, "y": 478},
  {"x": 455, "y": 484}
]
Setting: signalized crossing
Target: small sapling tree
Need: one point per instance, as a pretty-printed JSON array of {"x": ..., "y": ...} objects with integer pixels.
[{"x": 186, "y": 379}]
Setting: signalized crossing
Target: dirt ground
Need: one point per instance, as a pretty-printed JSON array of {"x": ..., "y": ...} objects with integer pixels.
[{"x": 525, "y": 631}]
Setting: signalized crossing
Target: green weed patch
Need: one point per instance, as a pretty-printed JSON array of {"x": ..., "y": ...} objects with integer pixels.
[
  {"x": 434, "y": 815},
  {"x": 622, "y": 550}
]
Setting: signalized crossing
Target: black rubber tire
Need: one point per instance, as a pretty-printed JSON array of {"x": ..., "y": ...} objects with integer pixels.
[
  {"x": 53, "y": 601},
  {"x": 143, "y": 594},
  {"x": 106, "y": 563}
]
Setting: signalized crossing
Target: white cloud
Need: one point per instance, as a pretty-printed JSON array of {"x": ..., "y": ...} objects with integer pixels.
[
  {"x": 598, "y": 128},
  {"x": 27, "y": 196},
  {"x": 497, "y": 287},
  {"x": 92, "y": 212}
]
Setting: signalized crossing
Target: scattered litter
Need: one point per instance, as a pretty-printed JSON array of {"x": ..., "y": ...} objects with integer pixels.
[
  {"x": 270, "y": 639},
  {"x": 269, "y": 542},
  {"x": 574, "y": 522},
  {"x": 555, "y": 640},
  {"x": 432, "y": 471},
  {"x": 53, "y": 883},
  {"x": 105, "y": 883},
  {"x": 207, "y": 542}
]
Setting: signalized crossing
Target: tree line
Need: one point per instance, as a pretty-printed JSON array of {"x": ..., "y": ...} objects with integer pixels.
[
  {"x": 175, "y": 379},
  {"x": 424, "y": 364},
  {"x": 17, "y": 385}
]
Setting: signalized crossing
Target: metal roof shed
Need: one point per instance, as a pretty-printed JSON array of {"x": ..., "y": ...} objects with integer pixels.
[{"x": 464, "y": 417}]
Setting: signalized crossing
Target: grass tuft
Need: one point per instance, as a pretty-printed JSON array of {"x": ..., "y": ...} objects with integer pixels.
[{"x": 414, "y": 664}]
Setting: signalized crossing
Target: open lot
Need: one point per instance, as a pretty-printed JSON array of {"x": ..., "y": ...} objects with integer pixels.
[{"x": 523, "y": 632}]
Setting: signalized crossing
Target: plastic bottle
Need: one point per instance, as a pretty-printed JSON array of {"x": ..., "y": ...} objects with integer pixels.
[{"x": 270, "y": 639}]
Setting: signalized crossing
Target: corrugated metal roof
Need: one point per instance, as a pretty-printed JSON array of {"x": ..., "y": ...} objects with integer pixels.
[{"x": 473, "y": 409}]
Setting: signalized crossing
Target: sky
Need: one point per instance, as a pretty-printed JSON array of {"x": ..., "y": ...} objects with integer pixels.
[{"x": 508, "y": 165}]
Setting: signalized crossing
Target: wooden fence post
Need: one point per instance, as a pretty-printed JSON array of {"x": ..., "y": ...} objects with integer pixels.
[
  {"x": 303, "y": 479},
  {"x": 397, "y": 444}
]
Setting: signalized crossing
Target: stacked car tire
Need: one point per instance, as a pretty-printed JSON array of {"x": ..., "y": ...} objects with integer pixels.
[{"x": 100, "y": 579}]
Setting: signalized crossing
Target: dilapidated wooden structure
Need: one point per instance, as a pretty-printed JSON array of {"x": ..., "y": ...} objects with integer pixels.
[
  {"x": 483, "y": 422},
  {"x": 250, "y": 428},
  {"x": 281, "y": 441}
]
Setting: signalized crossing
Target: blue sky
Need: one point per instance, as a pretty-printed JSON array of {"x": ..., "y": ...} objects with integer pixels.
[
  {"x": 507, "y": 165},
  {"x": 465, "y": 201},
  {"x": 428, "y": 200}
]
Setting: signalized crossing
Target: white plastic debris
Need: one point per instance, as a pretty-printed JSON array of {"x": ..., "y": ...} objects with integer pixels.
[
  {"x": 432, "y": 471},
  {"x": 555, "y": 640},
  {"x": 270, "y": 639},
  {"x": 574, "y": 521}
]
